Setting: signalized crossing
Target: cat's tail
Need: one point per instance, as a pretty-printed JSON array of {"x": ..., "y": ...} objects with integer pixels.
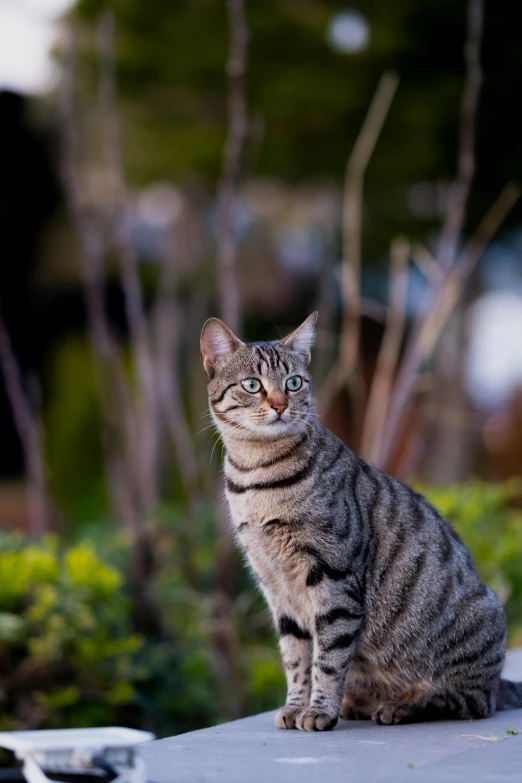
[{"x": 509, "y": 695}]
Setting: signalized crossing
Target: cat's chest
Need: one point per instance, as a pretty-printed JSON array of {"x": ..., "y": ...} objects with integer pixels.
[
  {"x": 266, "y": 494},
  {"x": 275, "y": 557},
  {"x": 258, "y": 507},
  {"x": 275, "y": 550}
]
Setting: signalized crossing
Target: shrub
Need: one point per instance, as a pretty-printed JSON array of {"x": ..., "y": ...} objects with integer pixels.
[{"x": 67, "y": 655}]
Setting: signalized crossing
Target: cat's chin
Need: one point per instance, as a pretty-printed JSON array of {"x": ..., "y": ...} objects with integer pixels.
[
  {"x": 273, "y": 430},
  {"x": 263, "y": 433}
]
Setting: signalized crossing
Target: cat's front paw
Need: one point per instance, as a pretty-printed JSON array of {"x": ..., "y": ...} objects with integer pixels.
[
  {"x": 285, "y": 717},
  {"x": 312, "y": 719}
]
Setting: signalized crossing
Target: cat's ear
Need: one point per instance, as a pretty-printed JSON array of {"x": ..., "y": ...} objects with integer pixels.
[
  {"x": 217, "y": 344},
  {"x": 301, "y": 340}
]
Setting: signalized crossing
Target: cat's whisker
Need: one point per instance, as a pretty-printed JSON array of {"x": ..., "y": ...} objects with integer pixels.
[
  {"x": 302, "y": 420},
  {"x": 218, "y": 440},
  {"x": 208, "y": 427}
]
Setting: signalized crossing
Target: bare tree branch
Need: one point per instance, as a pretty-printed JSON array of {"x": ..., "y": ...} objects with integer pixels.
[
  {"x": 459, "y": 192},
  {"x": 382, "y": 383},
  {"x": 119, "y": 437},
  {"x": 167, "y": 329},
  {"x": 27, "y": 426},
  {"x": 453, "y": 284},
  {"x": 445, "y": 290},
  {"x": 431, "y": 322},
  {"x": 373, "y": 309},
  {"x": 147, "y": 420},
  {"x": 352, "y": 222},
  {"x": 426, "y": 264},
  {"x": 228, "y": 279},
  {"x": 228, "y": 188}
]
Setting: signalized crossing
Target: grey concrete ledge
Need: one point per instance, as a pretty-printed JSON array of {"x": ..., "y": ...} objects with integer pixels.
[{"x": 252, "y": 750}]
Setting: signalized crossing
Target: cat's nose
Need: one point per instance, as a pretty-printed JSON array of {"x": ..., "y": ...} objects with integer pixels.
[{"x": 279, "y": 407}]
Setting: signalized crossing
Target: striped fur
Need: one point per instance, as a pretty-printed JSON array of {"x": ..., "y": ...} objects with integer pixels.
[{"x": 378, "y": 606}]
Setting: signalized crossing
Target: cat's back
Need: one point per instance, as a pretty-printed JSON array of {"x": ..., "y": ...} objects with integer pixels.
[{"x": 423, "y": 595}]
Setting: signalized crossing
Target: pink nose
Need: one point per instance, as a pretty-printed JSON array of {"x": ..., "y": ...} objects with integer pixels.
[{"x": 279, "y": 408}]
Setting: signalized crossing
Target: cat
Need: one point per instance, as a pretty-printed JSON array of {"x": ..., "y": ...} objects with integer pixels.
[{"x": 379, "y": 610}]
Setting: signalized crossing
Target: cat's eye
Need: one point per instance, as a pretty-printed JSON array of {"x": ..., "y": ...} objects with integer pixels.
[
  {"x": 294, "y": 383},
  {"x": 251, "y": 385}
]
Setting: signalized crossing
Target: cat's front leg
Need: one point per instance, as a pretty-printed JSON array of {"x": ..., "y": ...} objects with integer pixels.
[
  {"x": 295, "y": 644},
  {"x": 334, "y": 641}
]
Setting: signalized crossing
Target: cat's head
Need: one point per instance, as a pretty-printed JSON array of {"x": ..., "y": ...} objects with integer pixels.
[{"x": 258, "y": 391}]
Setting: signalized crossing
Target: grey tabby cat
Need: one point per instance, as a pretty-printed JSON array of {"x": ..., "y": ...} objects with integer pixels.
[{"x": 378, "y": 606}]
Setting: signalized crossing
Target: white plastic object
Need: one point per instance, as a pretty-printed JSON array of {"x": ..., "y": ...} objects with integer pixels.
[{"x": 70, "y": 751}]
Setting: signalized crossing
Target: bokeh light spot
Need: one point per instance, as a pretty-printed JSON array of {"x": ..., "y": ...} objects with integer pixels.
[{"x": 348, "y": 32}]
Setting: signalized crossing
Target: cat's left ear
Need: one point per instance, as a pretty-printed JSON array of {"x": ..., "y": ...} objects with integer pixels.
[
  {"x": 217, "y": 344},
  {"x": 302, "y": 338}
]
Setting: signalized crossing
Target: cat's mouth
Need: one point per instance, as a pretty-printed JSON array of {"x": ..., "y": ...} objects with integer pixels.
[{"x": 279, "y": 419}]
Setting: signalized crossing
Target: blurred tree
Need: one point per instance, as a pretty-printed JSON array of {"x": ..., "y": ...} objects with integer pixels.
[
  {"x": 308, "y": 100},
  {"x": 29, "y": 196}
]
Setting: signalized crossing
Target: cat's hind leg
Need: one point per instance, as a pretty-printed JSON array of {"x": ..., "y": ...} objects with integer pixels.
[
  {"x": 387, "y": 714},
  {"x": 351, "y": 710},
  {"x": 446, "y": 705}
]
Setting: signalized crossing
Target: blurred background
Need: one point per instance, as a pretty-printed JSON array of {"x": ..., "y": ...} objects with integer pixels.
[{"x": 162, "y": 162}]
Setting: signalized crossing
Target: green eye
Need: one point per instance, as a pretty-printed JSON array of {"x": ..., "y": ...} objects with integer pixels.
[
  {"x": 251, "y": 385},
  {"x": 294, "y": 383}
]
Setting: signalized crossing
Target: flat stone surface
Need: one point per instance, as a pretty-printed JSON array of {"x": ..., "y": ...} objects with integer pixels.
[{"x": 252, "y": 750}]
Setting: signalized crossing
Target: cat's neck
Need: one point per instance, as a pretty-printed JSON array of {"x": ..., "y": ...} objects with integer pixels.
[{"x": 251, "y": 453}]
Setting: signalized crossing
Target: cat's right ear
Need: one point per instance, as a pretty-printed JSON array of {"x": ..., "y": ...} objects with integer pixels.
[
  {"x": 218, "y": 343},
  {"x": 302, "y": 338}
]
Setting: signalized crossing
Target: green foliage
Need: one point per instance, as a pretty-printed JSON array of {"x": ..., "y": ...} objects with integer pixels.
[
  {"x": 228, "y": 651},
  {"x": 69, "y": 655},
  {"x": 65, "y": 639},
  {"x": 492, "y": 530}
]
